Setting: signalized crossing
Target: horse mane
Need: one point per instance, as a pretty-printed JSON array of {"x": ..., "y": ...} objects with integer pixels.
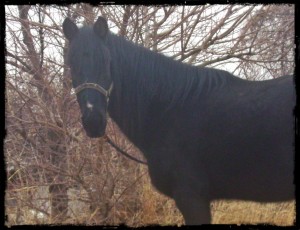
[{"x": 162, "y": 77}]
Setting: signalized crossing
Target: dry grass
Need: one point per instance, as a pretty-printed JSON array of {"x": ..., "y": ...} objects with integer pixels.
[{"x": 242, "y": 212}]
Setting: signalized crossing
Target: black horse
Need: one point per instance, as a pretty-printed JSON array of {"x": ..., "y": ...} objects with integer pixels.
[{"x": 205, "y": 133}]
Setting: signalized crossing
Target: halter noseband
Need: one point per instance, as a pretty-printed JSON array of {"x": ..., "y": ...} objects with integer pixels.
[{"x": 95, "y": 86}]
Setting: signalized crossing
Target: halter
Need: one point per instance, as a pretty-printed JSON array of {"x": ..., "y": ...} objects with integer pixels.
[
  {"x": 95, "y": 86},
  {"x": 106, "y": 93}
]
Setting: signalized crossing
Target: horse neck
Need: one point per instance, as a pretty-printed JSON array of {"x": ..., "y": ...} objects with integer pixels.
[
  {"x": 143, "y": 78},
  {"x": 129, "y": 101}
]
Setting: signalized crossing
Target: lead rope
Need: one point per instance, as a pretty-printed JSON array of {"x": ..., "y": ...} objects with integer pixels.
[{"x": 123, "y": 152}]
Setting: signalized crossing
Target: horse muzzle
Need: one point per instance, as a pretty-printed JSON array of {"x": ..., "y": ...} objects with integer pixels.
[{"x": 94, "y": 126}]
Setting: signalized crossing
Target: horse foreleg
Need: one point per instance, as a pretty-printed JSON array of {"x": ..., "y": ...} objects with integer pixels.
[{"x": 194, "y": 207}]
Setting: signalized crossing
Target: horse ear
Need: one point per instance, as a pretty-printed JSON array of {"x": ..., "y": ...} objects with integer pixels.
[
  {"x": 101, "y": 27},
  {"x": 69, "y": 28}
]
